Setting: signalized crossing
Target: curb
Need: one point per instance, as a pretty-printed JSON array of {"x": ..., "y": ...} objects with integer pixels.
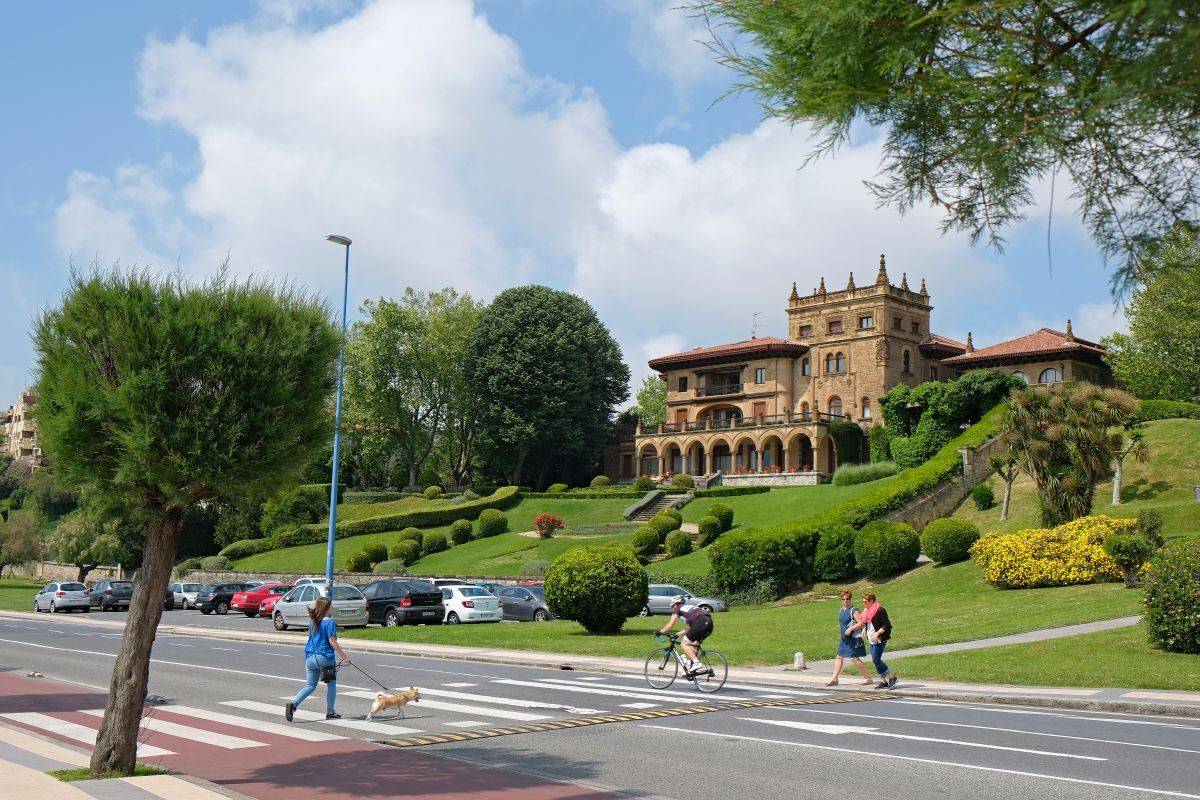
[{"x": 539, "y": 661}]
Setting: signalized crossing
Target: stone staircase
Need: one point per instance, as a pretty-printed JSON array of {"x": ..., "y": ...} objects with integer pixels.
[{"x": 655, "y": 506}]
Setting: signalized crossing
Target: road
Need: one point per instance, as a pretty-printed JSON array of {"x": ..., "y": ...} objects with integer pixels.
[{"x": 222, "y": 706}]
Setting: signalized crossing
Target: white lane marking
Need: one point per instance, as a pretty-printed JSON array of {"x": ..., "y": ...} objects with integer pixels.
[
  {"x": 467, "y": 723},
  {"x": 466, "y": 709},
  {"x": 1020, "y": 731},
  {"x": 749, "y": 687},
  {"x": 506, "y": 701},
  {"x": 981, "y": 768},
  {"x": 571, "y": 686},
  {"x": 591, "y": 678},
  {"x": 639, "y": 706},
  {"x": 226, "y": 649},
  {"x": 772, "y": 696},
  {"x": 863, "y": 730},
  {"x": 189, "y": 732},
  {"x": 1114, "y": 720},
  {"x": 462, "y": 685},
  {"x": 178, "y": 644},
  {"x": 313, "y": 716},
  {"x": 292, "y": 732},
  {"x": 423, "y": 669},
  {"x": 72, "y": 730}
]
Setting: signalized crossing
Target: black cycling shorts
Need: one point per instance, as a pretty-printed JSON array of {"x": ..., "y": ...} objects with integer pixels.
[{"x": 699, "y": 630}]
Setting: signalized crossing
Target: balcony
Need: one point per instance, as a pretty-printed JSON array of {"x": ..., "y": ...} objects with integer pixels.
[
  {"x": 766, "y": 421},
  {"x": 718, "y": 391}
]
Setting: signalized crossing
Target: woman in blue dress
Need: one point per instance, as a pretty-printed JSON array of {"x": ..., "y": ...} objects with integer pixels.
[{"x": 850, "y": 644}]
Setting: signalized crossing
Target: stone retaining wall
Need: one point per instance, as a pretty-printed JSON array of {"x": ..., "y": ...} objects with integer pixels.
[
  {"x": 54, "y": 571},
  {"x": 946, "y": 497},
  {"x": 775, "y": 479}
]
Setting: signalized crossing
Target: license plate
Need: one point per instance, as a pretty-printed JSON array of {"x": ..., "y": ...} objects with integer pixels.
[{"x": 428, "y": 613}]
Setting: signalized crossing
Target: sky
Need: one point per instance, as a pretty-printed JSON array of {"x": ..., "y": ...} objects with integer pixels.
[{"x": 584, "y": 144}]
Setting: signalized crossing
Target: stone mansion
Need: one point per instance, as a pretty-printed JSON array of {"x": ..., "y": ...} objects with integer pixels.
[{"x": 758, "y": 411}]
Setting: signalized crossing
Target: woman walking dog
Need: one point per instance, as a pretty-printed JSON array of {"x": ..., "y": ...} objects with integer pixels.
[{"x": 319, "y": 659}]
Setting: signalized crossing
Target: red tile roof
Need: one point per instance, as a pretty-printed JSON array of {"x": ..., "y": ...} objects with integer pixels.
[
  {"x": 1046, "y": 342},
  {"x": 763, "y": 346},
  {"x": 938, "y": 342}
]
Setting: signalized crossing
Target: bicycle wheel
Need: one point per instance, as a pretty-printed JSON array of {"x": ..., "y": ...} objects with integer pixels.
[
  {"x": 713, "y": 673},
  {"x": 661, "y": 668}
]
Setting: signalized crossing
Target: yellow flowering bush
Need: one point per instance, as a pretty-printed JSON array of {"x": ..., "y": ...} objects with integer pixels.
[{"x": 1069, "y": 554}]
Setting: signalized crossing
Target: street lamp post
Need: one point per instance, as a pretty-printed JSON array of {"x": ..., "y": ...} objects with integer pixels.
[{"x": 337, "y": 420}]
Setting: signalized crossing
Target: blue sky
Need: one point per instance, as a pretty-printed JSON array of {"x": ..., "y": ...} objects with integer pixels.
[{"x": 568, "y": 142}]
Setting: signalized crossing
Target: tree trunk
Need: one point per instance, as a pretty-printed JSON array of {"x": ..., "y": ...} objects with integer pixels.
[
  {"x": 116, "y": 743},
  {"x": 1008, "y": 482},
  {"x": 84, "y": 569},
  {"x": 1116, "y": 500},
  {"x": 412, "y": 473},
  {"x": 515, "y": 480}
]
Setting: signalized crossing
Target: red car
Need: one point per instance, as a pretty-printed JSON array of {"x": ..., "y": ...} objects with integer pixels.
[
  {"x": 267, "y": 606},
  {"x": 248, "y": 602}
]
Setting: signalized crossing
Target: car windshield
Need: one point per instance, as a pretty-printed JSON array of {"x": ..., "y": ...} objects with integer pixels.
[
  {"x": 279, "y": 590},
  {"x": 208, "y": 587},
  {"x": 474, "y": 591},
  {"x": 121, "y": 585},
  {"x": 71, "y": 587},
  {"x": 538, "y": 592},
  {"x": 346, "y": 593},
  {"x": 191, "y": 587},
  {"x": 421, "y": 586}
]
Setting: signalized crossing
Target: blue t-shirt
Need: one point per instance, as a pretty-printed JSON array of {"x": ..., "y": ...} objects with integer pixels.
[{"x": 318, "y": 638}]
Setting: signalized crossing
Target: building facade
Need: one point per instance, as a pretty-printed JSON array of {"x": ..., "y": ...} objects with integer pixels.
[
  {"x": 20, "y": 430},
  {"x": 759, "y": 410}
]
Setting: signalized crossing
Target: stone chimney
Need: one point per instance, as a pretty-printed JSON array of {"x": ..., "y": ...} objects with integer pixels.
[
  {"x": 1070, "y": 337},
  {"x": 970, "y": 343},
  {"x": 882, "y": 278}
]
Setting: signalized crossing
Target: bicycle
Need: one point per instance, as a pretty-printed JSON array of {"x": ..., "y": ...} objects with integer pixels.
[{"x": 662, "y": 669}]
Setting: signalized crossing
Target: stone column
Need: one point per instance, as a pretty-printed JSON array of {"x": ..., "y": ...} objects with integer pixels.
[{"x": 758, "y": 460}]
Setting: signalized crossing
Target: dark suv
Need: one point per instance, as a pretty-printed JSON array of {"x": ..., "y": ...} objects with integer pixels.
[
  {"x": 112, "y": 594},
  {"x": 218, "y": 596},
  {"x": 403, "y": 602}
]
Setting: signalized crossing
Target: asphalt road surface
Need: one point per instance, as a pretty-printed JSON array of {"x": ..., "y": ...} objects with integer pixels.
[{"x": 223, "y": 702}]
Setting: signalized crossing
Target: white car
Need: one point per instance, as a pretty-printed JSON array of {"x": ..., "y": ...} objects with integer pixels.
[
  {"x": 68, "y": 596},
  {"x": 349, "y": 607},
  {"x": 470, "y": 604},
  {"x": 185, "y": 594},
  {"x": 309, "y": 582}
]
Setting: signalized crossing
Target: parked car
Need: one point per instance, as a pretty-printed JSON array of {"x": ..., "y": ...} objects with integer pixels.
[
  {"x": 169, "y": 600},
  {"x": 267, "y": 606},
  {"x": 403, "y": 602},
  {"x": 67, "y": 596},
  {"x": 217, "y": 597},
  {"x": 310, "y": 580},
  {"x": 440, "y": 582},
  {"x": 527, "y": 603},
  {"x": 349, "y": 607},
  {"x": 470, "y": 604},
  {"x": 185, "y": 594},
  {"x": 661, "y": 594},
  {"x": 249, "y": 600},
  {"x": 110, "y": 594},
  {"x": 491, "y": 586}
]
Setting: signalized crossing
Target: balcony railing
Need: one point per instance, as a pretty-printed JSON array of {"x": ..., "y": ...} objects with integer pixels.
[
  {"x": 722, "y": 424},
  {"x": 765, "y": 421},
  {"x": 670, "y": 427},
  {"x": 715, "y": 391},
  {"x": 696, "y": 425}
]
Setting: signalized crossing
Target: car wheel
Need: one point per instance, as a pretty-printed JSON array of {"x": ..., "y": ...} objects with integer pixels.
[
  {"x": 391, "y": 619},
  {"x": 645, "y": 612},
  {"x": 36, "y": 609},
  {"x": 185, "y": 604},
  {"x": 222, "y": 608},
  {"x": 540, "y": 615},
  {"x": 206, "y": 611},
  {"x": 706, "y": 609},
  {"x": 53, "y": 608},
  {"x": 280, "y": 625},
  {"x": 452, "y": 618}
]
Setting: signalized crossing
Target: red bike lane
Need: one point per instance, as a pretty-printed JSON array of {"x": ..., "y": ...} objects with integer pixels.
[{"x": 264, "y": 763}]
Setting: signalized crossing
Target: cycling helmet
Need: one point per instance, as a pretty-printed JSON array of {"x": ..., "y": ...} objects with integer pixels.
[{"x": 677, "y": 600}]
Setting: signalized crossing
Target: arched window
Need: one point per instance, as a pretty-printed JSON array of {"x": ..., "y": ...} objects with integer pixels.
[
  {"x": 804, "y": 367},
  {"x": 835, "y": 406},
  {"x": 907, "y": 363},
  {"x": 841, "y": 362},
  {"x": 866, "y": 408},
  {"x": 804, "y": 412},
  {"x": 1024, "y": 378},
  {"x": 1050, "y": 375},
  {"x": 830, "y": 364}
]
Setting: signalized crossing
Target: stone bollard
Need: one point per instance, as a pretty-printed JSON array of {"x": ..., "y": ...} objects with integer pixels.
[{"x": 798, "y": 662}]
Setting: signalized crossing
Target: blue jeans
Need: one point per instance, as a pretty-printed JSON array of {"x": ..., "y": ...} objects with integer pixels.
[
  {"x": 313, "y": 666},
  {"x": 877, "y": 659}
]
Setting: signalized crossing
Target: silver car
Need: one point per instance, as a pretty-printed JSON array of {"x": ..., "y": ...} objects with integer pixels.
[
  {"x": 661, "y": 594},
  {"x": 185, "y": 594},
  {"x": 349, "y": 607},
  {"x": 67, "y": 596}
]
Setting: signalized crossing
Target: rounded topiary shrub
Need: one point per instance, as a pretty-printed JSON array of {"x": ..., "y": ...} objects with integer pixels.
[
  {"x": 710, "y": 530},
  {"x": 216, "y": 564},
  {"x": 1130, "y": 551},
  {"x": 460, "y": 531},
  {"x": 393, "y": 566},
  {"x": 673, "y": 514},
  {"x": 948, "y": 541},
  {"x": 405, "y": 550},
  {"x": 434, "y": 543},
  {"x": 646, "y": 541},
  {"x": 1172, "y": 595},
  {"x": 413, "y": 535},
  {"x": 678, "y": 544},
  {"x": 186, "y": 566},
  {"x": 358, "y": 562},
  {"x": 834, "y": 558},
  {"x": 683, "y": 481},
  {"x": 643, "y": 483},
  {"x": 491, "y": 522},
  {"x": 556, "y": 488},
  {"x": 724, "y": 514},
  {"x": 377, "y": 551},
  {"x": 983, "y": 497},
  {"x": 598, "y": 587},
  {"x": 600, "y": 482},
  {"x": 884, "y": 548},
  {"x": 431, "y": 492}
]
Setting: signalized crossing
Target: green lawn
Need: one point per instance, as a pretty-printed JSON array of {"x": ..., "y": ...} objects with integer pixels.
[
  {"x": 1121, "y": 658},
  {"x": 16, "y": 594},
  {"x": 505, "y": 555},
  {"x": 779, "y": 505},
  {"x": 355, "y": 511},
  {"x": 930, "y": 605}
]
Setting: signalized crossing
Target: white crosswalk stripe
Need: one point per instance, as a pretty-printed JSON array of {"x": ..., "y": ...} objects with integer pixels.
[
  {"x": 304, "y": 734},
  {"x": 313, "y": 716},
  {"x": 654, "y": 694},
  {"x": 462, "y": 708},
  {"x": 746, "y": 687},
  {"x": 73, "y": 730},
  {"x": 188, "y": 732},
  {"x": 467, "y": 723},
  {"x": 639, "y": 706},
  {"x": 649, "y": 694},
  {"x": 505, "y": 701},
  {"x": 460, "y": 685}
]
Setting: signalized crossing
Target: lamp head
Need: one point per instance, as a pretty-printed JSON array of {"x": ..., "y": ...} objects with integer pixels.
[{"x": 336, "y": 239}]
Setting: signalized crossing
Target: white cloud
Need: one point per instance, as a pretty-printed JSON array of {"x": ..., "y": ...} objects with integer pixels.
[
  {"x": 1094, "y": 321},
  {"x": 667, "y": 38}
]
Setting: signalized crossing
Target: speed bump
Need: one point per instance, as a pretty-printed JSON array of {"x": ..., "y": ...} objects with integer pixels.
[{"x": 632, "y": 716}]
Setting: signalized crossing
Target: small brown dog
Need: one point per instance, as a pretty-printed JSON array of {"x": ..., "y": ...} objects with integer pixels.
[{"x": 396, "y": 700}]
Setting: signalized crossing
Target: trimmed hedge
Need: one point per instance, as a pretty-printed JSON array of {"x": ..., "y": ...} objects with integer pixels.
[
  {"x": 646, "y": 542},
  {"x": 366, "y": 498},
  {"x": 598, "y": 587},
  {"x": 879, "y": 443},
  {"x": 215, "y": 564},
  {"x": 852, "y": 474},
  {"x": 674, "y": 514},
  {"x": 643, "y": 484},
  {"x": 723, "y": 513},
  {"x": 834, "y": 558},
  {"x": 413, "y": 535},
  {"x": 186, "y": 566},
  {"x": 1068, "y": 555},
  {"x": 556, "y": 488},
  {"x": 600, "y": 482},
  {"x": 504, "y": 497},
  {"x": 683, "y": 481},
  {"x": 584, "y": 494},
  {"x": 358, "y": 562},
  {"x": 492, "y": 522},
  {"x": 847, "y": 439},
  {"x": 884, "y": 548},
  {"x": 460, "y": 531},
  {"x": 730, "y": 491},
  {"x": 295, "y": 506},
  {"x": 406, "y": 551},
  {"x": 710, "y": 530},
  {"x": 1167, "y": 409},
  {"x": 431, "y": 492},
  {"x": 983, "y": 496},
  {"x": 390, "y": 567},
  {"x": 435, "y": 542},
  {"x": 377, "y": 551},
  {"x": 678, "y": 544},
  {"x": 1172, "y": 596},
  {"x": 948, "y": 541}
]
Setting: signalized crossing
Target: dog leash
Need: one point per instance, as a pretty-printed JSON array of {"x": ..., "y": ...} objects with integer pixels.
[{"x": 360, "y": 669}]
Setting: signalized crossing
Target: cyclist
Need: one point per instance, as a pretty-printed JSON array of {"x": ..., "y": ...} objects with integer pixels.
[{"x": 699, "y": 626}]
